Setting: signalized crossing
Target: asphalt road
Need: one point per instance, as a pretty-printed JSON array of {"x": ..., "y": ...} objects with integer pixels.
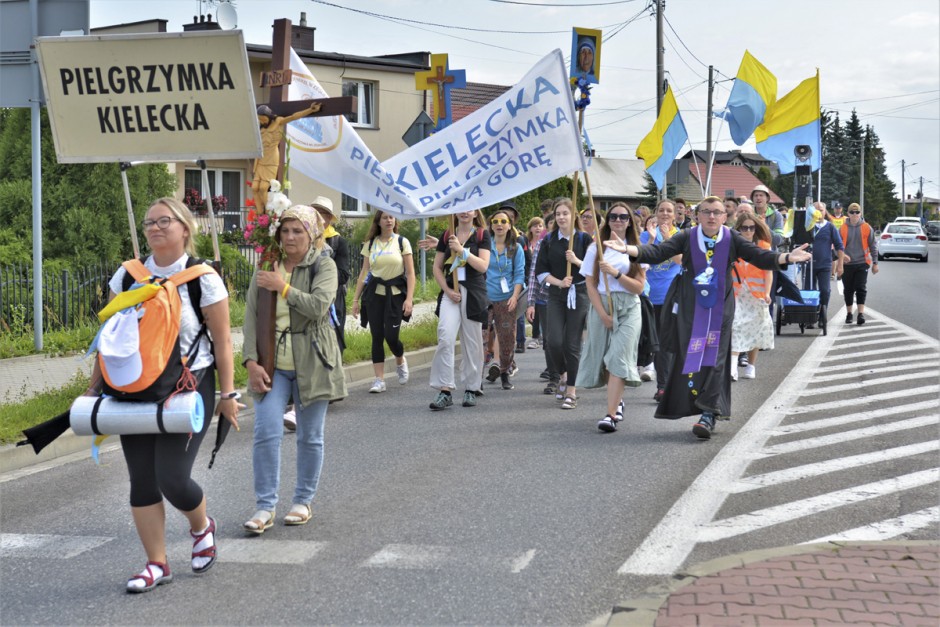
[{"x": 514, "y": 512}]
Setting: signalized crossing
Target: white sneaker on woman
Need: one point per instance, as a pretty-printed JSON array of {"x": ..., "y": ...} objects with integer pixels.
[
  {"x": 378, "y": 386},
  {"x": 402, "y": 372}
]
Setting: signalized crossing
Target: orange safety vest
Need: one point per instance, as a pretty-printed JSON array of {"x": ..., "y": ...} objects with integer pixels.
[
  {"x": 750, "y": 274},
  {"x": 865, "y": 232}
]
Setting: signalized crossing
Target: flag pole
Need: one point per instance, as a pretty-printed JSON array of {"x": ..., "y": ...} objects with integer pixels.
[
  {"x": 689, "y": 142},
  {"x": 711, "y": 163}
]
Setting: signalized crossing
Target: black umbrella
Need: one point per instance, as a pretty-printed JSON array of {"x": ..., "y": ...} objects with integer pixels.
[
  {"x": 787, "y": 288},
  {"x": 221, "y": 432},
  {"x": 44, "y": 433}
]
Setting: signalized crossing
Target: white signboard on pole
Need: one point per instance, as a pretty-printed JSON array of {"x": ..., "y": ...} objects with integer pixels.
[{"x": 156, "y": 97}]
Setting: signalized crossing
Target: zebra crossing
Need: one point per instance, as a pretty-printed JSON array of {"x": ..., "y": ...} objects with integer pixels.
[
  {"x": 859, "y": 415},
  {"x": 394, "y": 556}
]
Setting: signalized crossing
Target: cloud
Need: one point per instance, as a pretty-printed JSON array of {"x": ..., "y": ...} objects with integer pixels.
[{"x": 917, "y": 19}]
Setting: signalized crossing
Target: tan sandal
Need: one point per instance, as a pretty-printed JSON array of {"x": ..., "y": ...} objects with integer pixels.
[
  {"x": 298, "y": 515},
  {"x": 260, "y": 521}
]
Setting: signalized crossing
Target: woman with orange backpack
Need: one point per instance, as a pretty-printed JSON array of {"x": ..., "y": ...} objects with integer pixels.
[{"x": 160, "y": 465}]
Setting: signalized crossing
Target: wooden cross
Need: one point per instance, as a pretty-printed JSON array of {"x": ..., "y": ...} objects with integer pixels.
[
  {"x": 439, "y": 80},
  {"x": 278, "y": 80}
]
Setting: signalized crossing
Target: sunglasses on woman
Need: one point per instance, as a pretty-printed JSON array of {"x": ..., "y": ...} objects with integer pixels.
[
  {"x": 618, "y": 217},
  {"x": 499, "y": 221},
  {"x": 747, "y": 227}
]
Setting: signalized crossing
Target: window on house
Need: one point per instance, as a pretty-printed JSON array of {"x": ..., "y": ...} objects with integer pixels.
[
  {"x": 231, "y": 184},
  {"x": 364, "y": 92},
  {"x": 354, "y": 206}
]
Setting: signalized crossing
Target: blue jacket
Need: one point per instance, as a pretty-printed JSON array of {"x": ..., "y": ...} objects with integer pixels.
[
  {"x": 826, "y": 238},
  {"x": 504, "y": 267}
]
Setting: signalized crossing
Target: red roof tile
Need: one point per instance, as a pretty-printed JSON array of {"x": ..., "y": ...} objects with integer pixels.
[
  {"x": 733, "y": 177},
  {"x": 466, "y": 100}
]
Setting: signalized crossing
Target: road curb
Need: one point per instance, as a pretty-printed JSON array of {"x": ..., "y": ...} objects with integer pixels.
[
  {"x": 13, "y": 457},
  {"x": 642, "y": 611}
]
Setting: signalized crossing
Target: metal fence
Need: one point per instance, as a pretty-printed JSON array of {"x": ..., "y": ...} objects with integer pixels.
[{"x": 69, "y": 297}]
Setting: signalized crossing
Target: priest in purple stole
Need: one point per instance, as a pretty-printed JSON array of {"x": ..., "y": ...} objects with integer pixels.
[{"x": 698, "y": 312}]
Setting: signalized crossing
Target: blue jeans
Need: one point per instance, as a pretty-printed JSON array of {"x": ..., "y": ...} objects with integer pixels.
[{"x": 269, "y": 429}]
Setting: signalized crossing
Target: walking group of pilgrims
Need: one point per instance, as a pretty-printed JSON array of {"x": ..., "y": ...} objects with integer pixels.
[
  {"x": 613, "y": 301},
  {"x": 680, "y": 299}
]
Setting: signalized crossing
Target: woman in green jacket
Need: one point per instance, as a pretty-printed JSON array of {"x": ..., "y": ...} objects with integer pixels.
[{"x": 308, "y": 364}]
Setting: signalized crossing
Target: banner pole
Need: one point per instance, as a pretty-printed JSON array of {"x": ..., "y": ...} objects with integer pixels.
[
  {"x": 125, "y": 166},
  {"x": 213, "y": 229},
  {"x": 597, "y": 240},
  {"x": 574, "y": 196},
  {"x": 453, "y": 232}
]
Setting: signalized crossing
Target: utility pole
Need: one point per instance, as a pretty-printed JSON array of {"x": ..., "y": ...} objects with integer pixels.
[
  {"x": 708, "y": 132},
  {"x": 861, "y": 179},
  {"x": 903, "y": 197},
  {"x": 920, "y": 200}
]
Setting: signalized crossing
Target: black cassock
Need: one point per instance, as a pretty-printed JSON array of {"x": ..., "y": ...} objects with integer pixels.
[{"x": 709, "y": 389}]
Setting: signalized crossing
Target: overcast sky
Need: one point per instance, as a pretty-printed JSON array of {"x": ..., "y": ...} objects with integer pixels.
[{"x": 880, "y": 57}]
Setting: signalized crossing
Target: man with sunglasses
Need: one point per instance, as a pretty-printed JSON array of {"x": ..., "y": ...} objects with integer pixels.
[{"x": 861, "y": 252}]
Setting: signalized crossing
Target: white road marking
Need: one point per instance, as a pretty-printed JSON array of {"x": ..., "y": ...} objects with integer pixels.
[
  {"x": 519, "y": 564},
  {"x": 754, "y": 482},
  {"x": 907, "y": 349},
  {"x": 928, "y": 362},
  {"x": 671, "y": 541},
  {"x": 33, "y": 545},
  {"x": 409, "y": 556},
  {"x": 886, "y": 529},
  {"x": 878, "y": 362},
  {"x": 854, "y": 434},
  {"x": 767, "y": 517},
  {"x": 854, "y": 384},
  {"x": 892, "y": 339},
  {"x": 864, "y": 399},
  {"x": 848, "y": 337},
  {"x": 837, "y": 421},
  {"x": 668, "y": 545},
  {"x": 258, "y": 551}
]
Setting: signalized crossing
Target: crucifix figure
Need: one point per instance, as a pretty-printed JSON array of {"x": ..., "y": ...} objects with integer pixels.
[
  {"x": 439, "y": 80},
  {"x": 273, "y": 118}
]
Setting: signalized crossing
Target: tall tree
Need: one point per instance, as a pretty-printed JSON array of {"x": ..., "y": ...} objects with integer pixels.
[{"x": 83, "y": 207}]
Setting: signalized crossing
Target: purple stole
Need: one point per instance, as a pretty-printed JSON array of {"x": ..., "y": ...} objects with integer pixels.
[{"x": 702, "y": 350}]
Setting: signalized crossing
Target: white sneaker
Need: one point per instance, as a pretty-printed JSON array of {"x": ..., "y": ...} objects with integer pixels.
[
  {"x": 750, "y": 372},
  {"x": 290, "y": 420},
  {"x": 648, "y": 373},
  {"x": 734, "y": 368},
  {"x": 378, "y": 386},
  {"x": 402, "y": 372}
]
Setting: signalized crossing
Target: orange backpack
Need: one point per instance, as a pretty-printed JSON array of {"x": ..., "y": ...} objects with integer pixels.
[{"x": 139, "y": 347}]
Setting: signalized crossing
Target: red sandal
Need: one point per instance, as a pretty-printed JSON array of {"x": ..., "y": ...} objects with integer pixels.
[
  {"x": 209, "y": 551},
  {"x": 150, "y": 582}
]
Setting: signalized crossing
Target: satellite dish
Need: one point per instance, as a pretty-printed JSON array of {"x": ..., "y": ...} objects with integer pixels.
[{"x": 226, "y": 16}]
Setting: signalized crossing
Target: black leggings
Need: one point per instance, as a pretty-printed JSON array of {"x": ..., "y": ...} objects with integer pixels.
[
  {"x": 160, "y": 464},
  {"x": 855, "y": 283},
  {"x": 385, "y": 328},
  {"x": 564, "y": 328}
]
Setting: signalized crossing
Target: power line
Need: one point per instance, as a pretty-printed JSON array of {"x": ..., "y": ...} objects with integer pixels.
[
  {"x": 426, "y": 23},
  {"x": 669, "y": 24},
  {"x": 547, "y": 4},
  {"x": 916, "y": 93}
]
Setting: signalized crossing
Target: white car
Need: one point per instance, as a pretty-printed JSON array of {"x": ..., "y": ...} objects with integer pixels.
[
  {"x": 902, "y": 239},
  {"x": 907, "y": 220}
]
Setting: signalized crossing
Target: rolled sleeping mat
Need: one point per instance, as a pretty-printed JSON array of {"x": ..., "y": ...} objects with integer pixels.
[{"x": 104, "y": 415}]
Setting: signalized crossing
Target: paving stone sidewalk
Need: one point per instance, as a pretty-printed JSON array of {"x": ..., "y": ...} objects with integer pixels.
[{"x": 865, "y": 583}]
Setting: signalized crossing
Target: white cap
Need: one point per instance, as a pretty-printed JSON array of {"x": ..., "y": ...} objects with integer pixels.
[{"x": 119, "y": 348}]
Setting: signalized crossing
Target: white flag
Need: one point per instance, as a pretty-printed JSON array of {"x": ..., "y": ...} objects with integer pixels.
[{"x": 521, "y": 140}]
